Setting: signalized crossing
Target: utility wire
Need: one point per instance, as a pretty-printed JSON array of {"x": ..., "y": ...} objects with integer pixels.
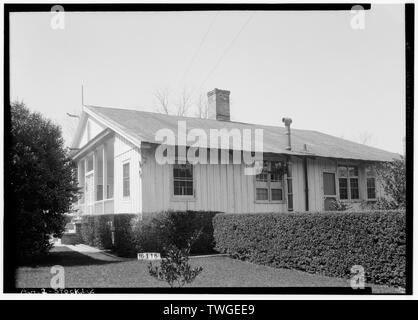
[
  {"x": 199, "y": 47},
  {"x": 226, "y": 50}
]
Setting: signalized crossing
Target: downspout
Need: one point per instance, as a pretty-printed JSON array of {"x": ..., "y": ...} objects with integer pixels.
[{"x": 305, "y": 173}]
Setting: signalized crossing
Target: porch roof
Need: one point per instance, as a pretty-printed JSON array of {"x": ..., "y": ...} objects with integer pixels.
[{"x": 92, "y": 144}]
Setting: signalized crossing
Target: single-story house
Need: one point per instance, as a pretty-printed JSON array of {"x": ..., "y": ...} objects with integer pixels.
[{"x": 117, "y": 154}]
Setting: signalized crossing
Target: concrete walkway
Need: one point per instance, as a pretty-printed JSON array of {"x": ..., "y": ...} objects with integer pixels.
[{"x": 92, "y": 252}]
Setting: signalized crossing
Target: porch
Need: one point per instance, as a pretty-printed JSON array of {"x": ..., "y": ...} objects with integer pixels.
[{"x": 95, "y": 167}]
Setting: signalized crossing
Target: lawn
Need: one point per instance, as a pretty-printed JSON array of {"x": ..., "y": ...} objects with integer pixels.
[{"x": 100, "y": 271}]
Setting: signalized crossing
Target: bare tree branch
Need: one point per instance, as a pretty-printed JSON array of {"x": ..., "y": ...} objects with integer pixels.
[
  {"x": 162, "y": 100},
  {"x": 365, "y": 137},
  {"x": 202, "y": 107},
  {"x": 184, "y": 102}
]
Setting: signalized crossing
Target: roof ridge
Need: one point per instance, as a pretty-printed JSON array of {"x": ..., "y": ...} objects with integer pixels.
[{"x": 194, "y": 118}]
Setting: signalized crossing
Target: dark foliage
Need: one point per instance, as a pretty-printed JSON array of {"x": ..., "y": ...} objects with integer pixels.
[
  {"x": 157, "y": 231},
  {"x": 338, "y": 205},
  {"x": 42, "y": 182},
  {"x": 392, "y": 175},
  {"x": 174, "y": 267},
  {"x": 124, "y": 234},
  {"x": 327, "y": 243},
  {"x": 96, "y": 230}
]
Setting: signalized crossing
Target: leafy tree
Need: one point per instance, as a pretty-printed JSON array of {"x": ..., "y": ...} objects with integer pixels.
[
  {"x": 42, "y": 182},
  {"x": 392, "y": 176}
]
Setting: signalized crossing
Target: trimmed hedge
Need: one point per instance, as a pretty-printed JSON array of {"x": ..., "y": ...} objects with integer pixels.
[
  {"x": 156, "y": 231},
  {"x": 96, "y": 230},
  {"x": 124, "y": 234},
  {"x": 151, "y": 234},
  {"x": 328, "y": 243}
]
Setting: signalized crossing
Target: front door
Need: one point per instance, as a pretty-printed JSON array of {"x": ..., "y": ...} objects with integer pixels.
[{"x": 330, "y": 190}]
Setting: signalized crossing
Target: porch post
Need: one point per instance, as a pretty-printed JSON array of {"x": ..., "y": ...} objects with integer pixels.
[
  {"x": 79, "y": 178},
  {"x": 104, "y": 175},
  {"x": 84, "y": 188},
  {"x": 94, "y": 180}
]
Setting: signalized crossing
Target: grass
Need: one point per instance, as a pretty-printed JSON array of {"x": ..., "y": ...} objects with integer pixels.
[{"x": 100, "y": 271}]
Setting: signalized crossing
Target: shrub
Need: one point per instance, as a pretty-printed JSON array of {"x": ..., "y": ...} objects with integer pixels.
[
  {"x": 175, "y": 267},
  {"x": 87, "y": 233},
  {"x": 379, "y": 204},
  {"x": 156, "y": 231},
  {"x": 124, "y": 225},
  {"x": 96, "y": 230},
  {"x": 328, "y": 243},
  {"x": 338, "y": 205},
  {"x": 151, "y": 234}
]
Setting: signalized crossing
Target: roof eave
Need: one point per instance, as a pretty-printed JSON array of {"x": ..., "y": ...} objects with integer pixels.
[{"x": 92, "y": 144}]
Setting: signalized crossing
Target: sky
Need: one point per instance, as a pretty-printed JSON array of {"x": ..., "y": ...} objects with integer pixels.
[{"x": 310, "y": 66}]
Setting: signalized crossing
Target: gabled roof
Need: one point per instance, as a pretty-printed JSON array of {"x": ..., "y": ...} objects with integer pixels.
[{"x": 141, "y": 126}]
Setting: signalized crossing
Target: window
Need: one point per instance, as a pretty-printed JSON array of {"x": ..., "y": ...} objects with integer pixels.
[
  {"x": 99, "y": 194},
  {"x": 371, "y": 182},
  {"x": 126, "y": 180},
  {"x": 269, "y": 182},
  {"x": 289, "y": 187},
  {"x": 348, "y": 182},
  {"x": 343, "y": 188},
  {"x": 183, "y": 179},
  {"x": 276, "y": 195},
  {"x": 262, "y": 194},
  {"x": 343, "y": 183},
  {"x": 90, "y": 163},
  {"x": 354, "y": 188},
  {"x": 329, "y": 184}
]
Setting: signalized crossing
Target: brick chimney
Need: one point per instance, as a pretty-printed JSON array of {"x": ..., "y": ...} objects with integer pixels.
[{"x": 218, "y": 104}]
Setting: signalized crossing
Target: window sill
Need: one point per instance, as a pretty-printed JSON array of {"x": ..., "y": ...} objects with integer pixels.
[
  {"x": 183, "y": 198},
  {"x": 269, "y": 202},
  {"x": 351, "y": 200}
]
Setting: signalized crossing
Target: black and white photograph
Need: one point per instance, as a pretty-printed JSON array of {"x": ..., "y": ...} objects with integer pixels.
[{"x": 208, "y": 149}]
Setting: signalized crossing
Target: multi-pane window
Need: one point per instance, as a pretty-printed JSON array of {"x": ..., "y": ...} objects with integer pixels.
[
  {"x": 371, "y": 182},
  {"x": 89, "y": 163},
  {"x": 343, "y": 188},
  {"x": 183, "y": 179},
  {"x": 276, "y": 194},
  {"x": 289, "y": 187},
  {"x": 348, "y": 182},
  {"x": 262, "y": 194},
  {"x": 126, "y": 180},
  {"x": 269, "y": 182}
]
